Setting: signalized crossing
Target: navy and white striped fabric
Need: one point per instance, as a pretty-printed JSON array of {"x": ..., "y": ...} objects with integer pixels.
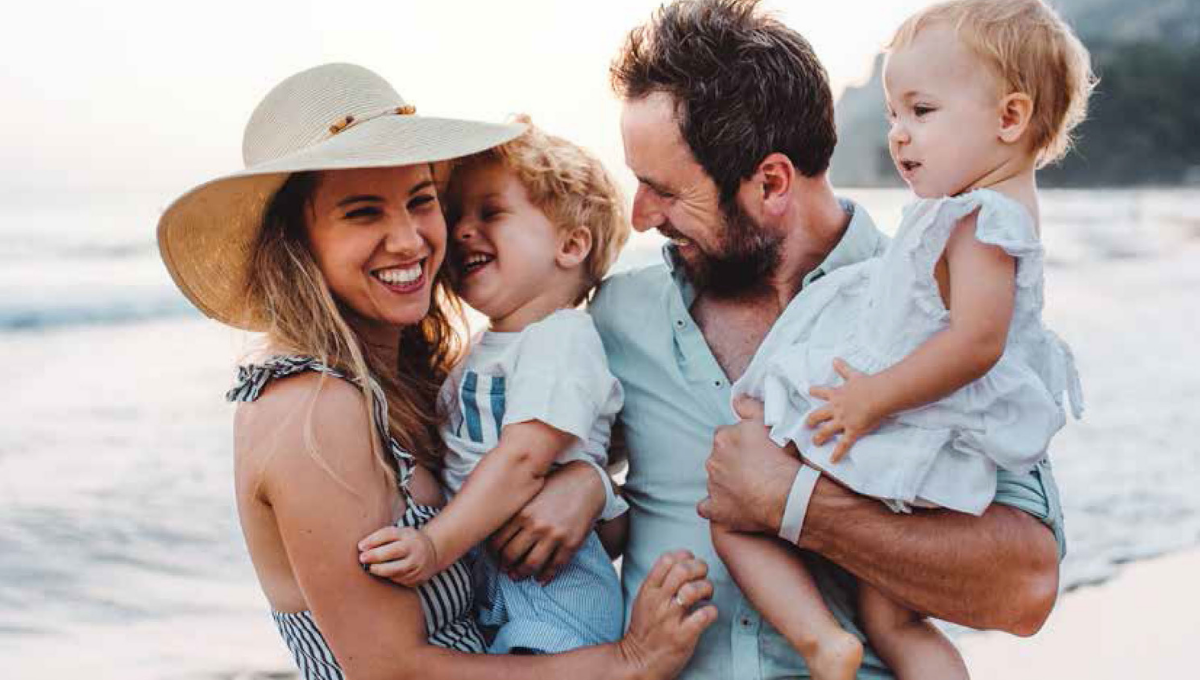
[
  {"x": 447, "y": 600},
  {"x": 482, "y": 399}
]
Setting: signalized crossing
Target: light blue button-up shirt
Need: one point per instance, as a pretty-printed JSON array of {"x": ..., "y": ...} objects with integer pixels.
[{"x": 676, "y": 395}]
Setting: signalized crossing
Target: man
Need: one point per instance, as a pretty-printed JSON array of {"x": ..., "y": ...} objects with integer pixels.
[{"x": 727, "y": 123}]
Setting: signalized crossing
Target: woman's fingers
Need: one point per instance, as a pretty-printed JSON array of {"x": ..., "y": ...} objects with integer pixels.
[
  {"x": 844, "y": 369},
  {"x": 820, "y": 392},
  {"x": 505, "y": 534}
]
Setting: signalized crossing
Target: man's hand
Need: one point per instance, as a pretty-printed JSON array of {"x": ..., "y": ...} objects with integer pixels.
[
  {"x": 749, "y": 477},
  {"x": 545, "y": 534},
  {"x": 402, "y": 554},
  {"x": 850, "y": 410}
]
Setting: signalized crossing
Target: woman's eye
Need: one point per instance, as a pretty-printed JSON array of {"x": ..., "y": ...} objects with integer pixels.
[
  {"x": 362, "y": 213},
  {"x": 422, "y": 201}
]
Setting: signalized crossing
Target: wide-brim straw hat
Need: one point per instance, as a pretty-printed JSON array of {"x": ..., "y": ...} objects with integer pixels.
[{"x": 331, "y": 117}]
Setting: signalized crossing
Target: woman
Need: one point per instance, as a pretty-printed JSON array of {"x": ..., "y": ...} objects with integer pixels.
[{"x": 331, "y": 242}]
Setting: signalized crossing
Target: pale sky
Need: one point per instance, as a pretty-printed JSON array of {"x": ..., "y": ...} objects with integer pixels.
[{"x": 116, "y": 97}]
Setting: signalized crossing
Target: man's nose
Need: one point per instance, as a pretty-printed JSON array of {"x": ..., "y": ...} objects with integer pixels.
[{"x": 647, "y": 213}]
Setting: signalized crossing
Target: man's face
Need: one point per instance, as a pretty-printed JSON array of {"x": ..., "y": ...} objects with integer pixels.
[{"x": 724, "y": 250}]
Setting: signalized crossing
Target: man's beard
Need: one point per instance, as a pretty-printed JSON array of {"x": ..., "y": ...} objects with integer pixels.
[{"x": 748, "y": 255}]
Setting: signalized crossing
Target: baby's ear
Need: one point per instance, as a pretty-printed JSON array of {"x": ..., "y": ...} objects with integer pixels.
[
  {"x": 573, "y": 247},
  {"x": 1016, "y": 110}
]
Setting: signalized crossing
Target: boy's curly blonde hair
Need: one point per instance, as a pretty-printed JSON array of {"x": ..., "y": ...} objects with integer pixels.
[
  {"x": 1031, "y": 50},
  {"x": 571, "y": 187}
]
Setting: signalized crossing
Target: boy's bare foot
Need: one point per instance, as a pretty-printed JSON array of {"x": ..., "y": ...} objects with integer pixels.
[{"x": 837, "y": 657}]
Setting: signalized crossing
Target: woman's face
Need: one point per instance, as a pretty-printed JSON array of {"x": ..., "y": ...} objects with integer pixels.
[{"x": 379, "y": 237}]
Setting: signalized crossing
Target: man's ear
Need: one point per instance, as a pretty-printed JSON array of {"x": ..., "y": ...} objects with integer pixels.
[
  {"x": 573, "y": 247},
  {"x": 774, "y": 181},
  {"x": 1016, "y": 110}
]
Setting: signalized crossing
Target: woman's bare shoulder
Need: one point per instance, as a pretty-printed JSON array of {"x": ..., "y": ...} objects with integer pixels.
[{"x": 311, "y": 428}]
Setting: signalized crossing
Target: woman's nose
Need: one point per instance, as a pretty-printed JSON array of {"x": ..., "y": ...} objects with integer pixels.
[{"x": 402, "y": 236}]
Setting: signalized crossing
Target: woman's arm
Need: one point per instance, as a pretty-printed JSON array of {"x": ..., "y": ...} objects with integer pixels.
[
  {"x": 321, "y": 504},
  {"x": 982, "y": 283}
]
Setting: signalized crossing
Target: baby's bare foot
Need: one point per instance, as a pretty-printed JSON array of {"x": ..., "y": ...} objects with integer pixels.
[{"x": 837, "y": 657}]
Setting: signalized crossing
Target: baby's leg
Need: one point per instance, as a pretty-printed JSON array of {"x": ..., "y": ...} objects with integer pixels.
[
  {"x": 910, "y": 645},
  {"x": 774, "y": 578}
]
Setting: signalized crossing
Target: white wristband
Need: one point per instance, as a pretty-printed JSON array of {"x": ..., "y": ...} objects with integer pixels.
[{"x": 797, "y": 503}]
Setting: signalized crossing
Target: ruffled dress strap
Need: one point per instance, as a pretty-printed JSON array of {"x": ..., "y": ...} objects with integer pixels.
[
  {"x": 252, "y": 379},
  {"x": 1000, "y": 221}
]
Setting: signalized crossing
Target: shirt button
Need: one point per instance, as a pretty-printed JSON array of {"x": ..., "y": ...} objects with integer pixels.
[
  {"x": 716, "y": 383},
  {"x": 745, "y": 622},
  {"x": 679, "y": 323}
]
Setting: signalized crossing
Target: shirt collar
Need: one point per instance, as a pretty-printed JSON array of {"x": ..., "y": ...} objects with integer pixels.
[{"x": 862, "y": 240}]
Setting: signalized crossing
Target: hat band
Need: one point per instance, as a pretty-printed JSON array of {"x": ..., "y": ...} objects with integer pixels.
[{"x": 346, "y": 122}]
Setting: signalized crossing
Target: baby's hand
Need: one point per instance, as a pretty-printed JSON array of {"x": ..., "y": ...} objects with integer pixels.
[
  {"x": 849, "y": 409},
  {"x": 402, "y": 554}
]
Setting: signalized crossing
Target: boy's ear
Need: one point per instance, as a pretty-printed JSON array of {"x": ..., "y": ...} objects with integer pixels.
[
  {"x": 1016, "y": 110},
  {"x": 573, "y": 247}
]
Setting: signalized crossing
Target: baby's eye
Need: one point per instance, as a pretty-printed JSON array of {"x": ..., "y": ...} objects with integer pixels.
[{"x": 920, "y": 110}]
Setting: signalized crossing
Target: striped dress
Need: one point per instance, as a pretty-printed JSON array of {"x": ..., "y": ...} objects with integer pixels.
[{"x": 447, "y": 600}]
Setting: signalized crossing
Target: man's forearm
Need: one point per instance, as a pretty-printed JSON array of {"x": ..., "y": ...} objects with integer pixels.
[{"x": 999, "y": 570}]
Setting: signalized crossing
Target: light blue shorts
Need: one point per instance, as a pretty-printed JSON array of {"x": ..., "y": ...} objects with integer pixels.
[{"x": 582, "y": 606}]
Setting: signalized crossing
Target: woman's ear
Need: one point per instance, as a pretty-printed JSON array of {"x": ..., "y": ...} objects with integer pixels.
[
  {"x": 573, "y": 247},
  {"x": 1016, "y": 110}
]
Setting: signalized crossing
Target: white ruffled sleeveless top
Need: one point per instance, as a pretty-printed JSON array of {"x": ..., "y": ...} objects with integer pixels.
[{"x": 875, "y": 313}]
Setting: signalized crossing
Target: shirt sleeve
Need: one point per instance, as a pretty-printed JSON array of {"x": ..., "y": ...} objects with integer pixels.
[
  {"x": 1035, "y": 493},
  {"x": 561, "y": 377}
]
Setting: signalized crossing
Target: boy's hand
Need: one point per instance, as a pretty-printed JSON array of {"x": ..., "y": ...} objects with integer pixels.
[
  {"x": 849, "y": 409},
  {"x": 402, "y": 554}
]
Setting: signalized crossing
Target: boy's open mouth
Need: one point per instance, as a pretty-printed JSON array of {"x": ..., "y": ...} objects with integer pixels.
[{"x": 476, "y": 261}]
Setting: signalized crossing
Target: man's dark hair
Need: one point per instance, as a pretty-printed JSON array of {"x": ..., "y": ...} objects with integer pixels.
[{"x": 745, "y": 86}]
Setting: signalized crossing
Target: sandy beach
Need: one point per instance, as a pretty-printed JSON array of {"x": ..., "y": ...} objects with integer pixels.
[{"x": 1141, "y": 624}]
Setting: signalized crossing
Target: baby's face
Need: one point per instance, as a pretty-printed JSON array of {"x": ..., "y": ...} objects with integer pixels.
[
  {"x": 502, "y": 246},
  {"x": 945, "y": 113}
]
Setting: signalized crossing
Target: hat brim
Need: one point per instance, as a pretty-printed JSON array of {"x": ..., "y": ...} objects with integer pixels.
[{"x": 206, "y": 237}]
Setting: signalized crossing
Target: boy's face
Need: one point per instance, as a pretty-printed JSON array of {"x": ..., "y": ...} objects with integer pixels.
[
  {"x": 503, "y": 248},
  {"x": 944, "y": 107}
]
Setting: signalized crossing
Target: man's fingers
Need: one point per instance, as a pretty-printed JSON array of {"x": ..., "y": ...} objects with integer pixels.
[
  {"x": 695, "y": 623},
  {"x": 503, "y": 535},
  {"x": 537, "y": 557},
  {"x": 515, "y": 550},
  {"x": 663, "y": 566},
  {"x": 683, "y": 572},
  {"x": 748, "y": 408},
  {"x": 556, "y": 562},
  {"x": 818, "y": 416}
]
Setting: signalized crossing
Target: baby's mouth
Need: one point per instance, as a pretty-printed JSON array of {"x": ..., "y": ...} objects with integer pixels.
[{"x": 909, "y": 166}]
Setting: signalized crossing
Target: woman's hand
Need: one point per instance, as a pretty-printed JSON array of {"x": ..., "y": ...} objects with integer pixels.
[
  {"x": 850, "y": 410},
  {"x": 546, "y": 533},
  {"x": 402, "y": 554},
  {"x": 663, "y": 627}
]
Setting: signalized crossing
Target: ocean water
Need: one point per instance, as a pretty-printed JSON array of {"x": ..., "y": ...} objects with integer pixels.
[{"x": 120, "y": 552}]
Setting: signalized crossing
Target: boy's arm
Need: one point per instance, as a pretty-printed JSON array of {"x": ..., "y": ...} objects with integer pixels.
[
  {"x": 613, "y": 535},
  {"x": 507, "y": 478}
]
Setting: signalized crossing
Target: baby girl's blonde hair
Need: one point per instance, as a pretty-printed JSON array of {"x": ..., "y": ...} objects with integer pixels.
[
  {"x": 1031, "y": 50},
  {"x": 571, "y": 187}
]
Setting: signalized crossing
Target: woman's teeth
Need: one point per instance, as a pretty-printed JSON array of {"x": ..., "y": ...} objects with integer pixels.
[{"x": 400, "y": 276}]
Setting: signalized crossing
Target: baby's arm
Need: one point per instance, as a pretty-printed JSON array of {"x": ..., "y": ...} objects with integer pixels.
[
  {"x": 982, "y": 284},
  {"x": 507, "y": 478}
]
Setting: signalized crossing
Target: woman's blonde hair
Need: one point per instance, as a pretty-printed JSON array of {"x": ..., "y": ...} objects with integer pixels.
[
  {"x": 1031, "y": 50},
  {"x": 569, "y": 185},
  {"x": 306, "y": 319}
]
